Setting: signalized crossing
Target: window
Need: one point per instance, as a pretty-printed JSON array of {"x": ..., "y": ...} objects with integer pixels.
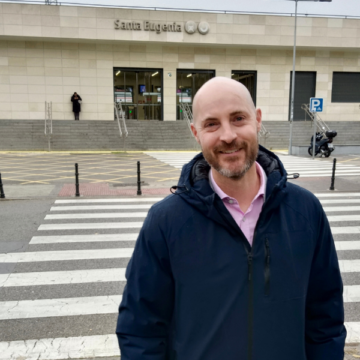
[
  {"x": 346, "y": 87},
  {"x": 248, "y": 78},
  {"x": 305, "y": 84},
  {"x": 188, "y": 82},
  {"x": 140, "y": 92}
]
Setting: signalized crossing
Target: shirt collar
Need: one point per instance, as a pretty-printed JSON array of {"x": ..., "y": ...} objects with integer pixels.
[{"x": 263, "y": 178}]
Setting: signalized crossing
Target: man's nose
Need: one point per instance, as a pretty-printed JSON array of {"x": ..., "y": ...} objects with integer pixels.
[{"x": 228, "y": 134}]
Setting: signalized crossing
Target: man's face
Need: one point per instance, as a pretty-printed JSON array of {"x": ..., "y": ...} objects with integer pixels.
[{"x": 226, "y": 127}]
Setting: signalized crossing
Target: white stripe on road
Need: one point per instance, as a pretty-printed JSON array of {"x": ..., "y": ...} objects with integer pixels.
[
  {"x": 329, "y": 175},
  {"x": 345, "y": 230},
  {"x": 125, "y": 200},
  {"x": 88, "y": 347},
  {"x": 342, "y": 201},
  {"x": 353, "y": 332},
  {"x": 320, "y": 167},
  {"x": 97, "y": 216},
  {"x": 351, "y": 293},
  {"x": 63, "y": 277},
  {"x": 347, "y": 245},
  {"x": 82, "y": 238},
  {"x": 85, "y": 226},
  {"x": 344, "y": 195},
  {"x": 27, "y": 309},
  {"x": 339, "y": 218},
  {"x": 101, "y": 207},
  {"x": 91, "y": 346},
  {"x": 341, "y": 208},
  {"x": 338, "y": 172},
  {"x": 66, "y": 255},
  {"x": 349, "y": 266}
]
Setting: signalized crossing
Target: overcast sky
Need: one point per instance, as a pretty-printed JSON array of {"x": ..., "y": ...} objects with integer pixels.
[{"x": 336, "y": 7}]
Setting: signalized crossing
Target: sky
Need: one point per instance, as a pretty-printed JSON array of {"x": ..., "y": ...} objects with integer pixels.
[{"x": 336, "y": 7}]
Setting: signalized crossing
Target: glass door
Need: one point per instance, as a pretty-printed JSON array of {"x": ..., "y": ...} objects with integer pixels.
[{"x": 140, "y": 92}]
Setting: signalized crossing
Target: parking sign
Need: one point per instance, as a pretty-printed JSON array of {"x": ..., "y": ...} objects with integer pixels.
[{"x": 316, "y": 104}]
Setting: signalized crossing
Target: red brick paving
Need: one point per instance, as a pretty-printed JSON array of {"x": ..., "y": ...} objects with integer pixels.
[{"x": 103, "y": 189}]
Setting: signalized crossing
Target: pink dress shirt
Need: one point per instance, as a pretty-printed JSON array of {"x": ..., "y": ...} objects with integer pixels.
[{"x": 246, "y": 221}]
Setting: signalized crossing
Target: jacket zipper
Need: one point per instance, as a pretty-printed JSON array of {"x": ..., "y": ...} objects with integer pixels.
[
  {"x": 251, "y": 285},
  {"x": 251, "y": 304},
  {"x": 267, "y": 267}
]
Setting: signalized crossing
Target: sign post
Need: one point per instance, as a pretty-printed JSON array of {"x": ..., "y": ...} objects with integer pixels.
[{"x": 316, "y": 105}]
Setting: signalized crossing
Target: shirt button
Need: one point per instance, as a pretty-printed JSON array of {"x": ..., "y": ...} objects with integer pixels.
[
  {"x": 231, "y": 201},
  {"x": 243, "y": 219}
]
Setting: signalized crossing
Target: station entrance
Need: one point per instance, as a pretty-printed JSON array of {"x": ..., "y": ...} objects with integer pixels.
[{"x": 140, "y": 92}]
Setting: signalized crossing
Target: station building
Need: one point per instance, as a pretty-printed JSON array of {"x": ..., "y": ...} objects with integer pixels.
[{"x": 152, "y": 61}]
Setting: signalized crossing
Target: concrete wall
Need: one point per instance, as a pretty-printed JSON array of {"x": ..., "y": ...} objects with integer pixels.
[
  {"x": 48, "y": 52},
  {"x": 84, "y": 23}
]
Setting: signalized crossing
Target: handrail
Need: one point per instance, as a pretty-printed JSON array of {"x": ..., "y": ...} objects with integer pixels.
[
  {"x": 123, "y": 120},
  {"x": 48, "y": 122},
  {"x": 124, "y": 135},
  {"x": 263, "y": 132},
  {"x": 48, "y": 118},
  {"x": 320, "y": 124},
  {"x": 185, "y": 108},
  {"x": 117, "y": 118}
]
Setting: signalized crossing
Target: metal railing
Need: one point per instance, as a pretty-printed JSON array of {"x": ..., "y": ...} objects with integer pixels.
[
  {"x": 187, "y": 114},
  {"x": 48, "y": 122},
  {"x": 320, "y": 124},
  {"x": 264, "y": 133},
  {"x": 121, "y": 114}
]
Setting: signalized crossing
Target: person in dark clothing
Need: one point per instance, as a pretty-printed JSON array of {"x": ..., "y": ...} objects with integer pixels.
[
  {"x": 237, "y": 263},
  {"x": 75, "y": 99}
]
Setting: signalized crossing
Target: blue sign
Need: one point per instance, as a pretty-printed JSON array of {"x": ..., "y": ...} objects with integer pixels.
[{"x": 316, "y": 104}]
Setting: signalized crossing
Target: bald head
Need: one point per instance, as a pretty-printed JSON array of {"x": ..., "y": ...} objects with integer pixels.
[{"x": 218, "y": 90}]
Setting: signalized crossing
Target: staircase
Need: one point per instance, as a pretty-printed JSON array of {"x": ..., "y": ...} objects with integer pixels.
[
  {"x": 148, "y": 135},
  {"x": 95, "y": 135}
]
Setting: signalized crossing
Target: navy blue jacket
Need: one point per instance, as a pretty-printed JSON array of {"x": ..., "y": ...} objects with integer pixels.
[{"x": 196, "y": 289}]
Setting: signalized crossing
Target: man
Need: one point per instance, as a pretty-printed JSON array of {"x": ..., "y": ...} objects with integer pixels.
[{"x": 238, "y": 263}]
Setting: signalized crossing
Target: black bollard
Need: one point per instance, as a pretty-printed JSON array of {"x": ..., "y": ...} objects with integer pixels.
[
  {"x": 333, "y": 176},
  {"x": 138, "y": 179},
  {"x": 77, "y": 193},
  {"x": 2, "y": 194}
]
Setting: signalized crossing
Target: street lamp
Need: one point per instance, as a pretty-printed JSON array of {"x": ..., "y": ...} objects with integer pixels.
[{"x": 293, "y": 73}]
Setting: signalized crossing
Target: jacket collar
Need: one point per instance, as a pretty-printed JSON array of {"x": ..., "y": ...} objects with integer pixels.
[{"x": 194, "y": 187}]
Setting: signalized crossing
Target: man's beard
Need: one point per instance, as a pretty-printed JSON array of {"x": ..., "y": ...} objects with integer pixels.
[{"x": 251, "y": 153}]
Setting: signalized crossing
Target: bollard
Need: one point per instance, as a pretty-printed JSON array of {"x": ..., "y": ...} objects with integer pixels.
[
  {"x": 77, "y": 193},
  {"x": 138, "y": 179},
  {"x": 2, "y": 194},
  {"x": 333, "y": 176}
]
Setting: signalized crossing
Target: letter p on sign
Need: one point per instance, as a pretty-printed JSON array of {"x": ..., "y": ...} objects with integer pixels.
[{"x": 316, "y": 104}]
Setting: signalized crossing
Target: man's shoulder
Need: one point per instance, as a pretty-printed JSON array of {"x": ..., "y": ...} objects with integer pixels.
[
  {"x": 302, "y": 199},
  {"x": 170, "y": 206}
]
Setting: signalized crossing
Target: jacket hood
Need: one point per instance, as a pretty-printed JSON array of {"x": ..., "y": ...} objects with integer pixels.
[{"x": 194, "y": 187}]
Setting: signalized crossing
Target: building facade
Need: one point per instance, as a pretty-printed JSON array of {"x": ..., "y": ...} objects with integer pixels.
[{"x": 153, "y": 61}]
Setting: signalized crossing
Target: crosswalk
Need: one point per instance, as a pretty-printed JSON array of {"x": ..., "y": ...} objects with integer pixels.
[
  {"x": 61, "y": 301},
  {"x": 306, "y": 167}
]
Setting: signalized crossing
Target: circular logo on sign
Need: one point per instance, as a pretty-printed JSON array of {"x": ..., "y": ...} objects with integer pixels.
[
  {"x": 190, "y": 27},
  {"x": 203, "y": 28}
]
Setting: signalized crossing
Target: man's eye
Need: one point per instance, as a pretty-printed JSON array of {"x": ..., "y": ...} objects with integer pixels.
[
  {"x": 239, "y": 118},
  {"x": 210, "y": 124}
]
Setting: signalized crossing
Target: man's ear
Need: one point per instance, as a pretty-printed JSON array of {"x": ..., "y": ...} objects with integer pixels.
[
  {"x": 195, "y": 132},
  {"x": 258, "y": 119}
]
